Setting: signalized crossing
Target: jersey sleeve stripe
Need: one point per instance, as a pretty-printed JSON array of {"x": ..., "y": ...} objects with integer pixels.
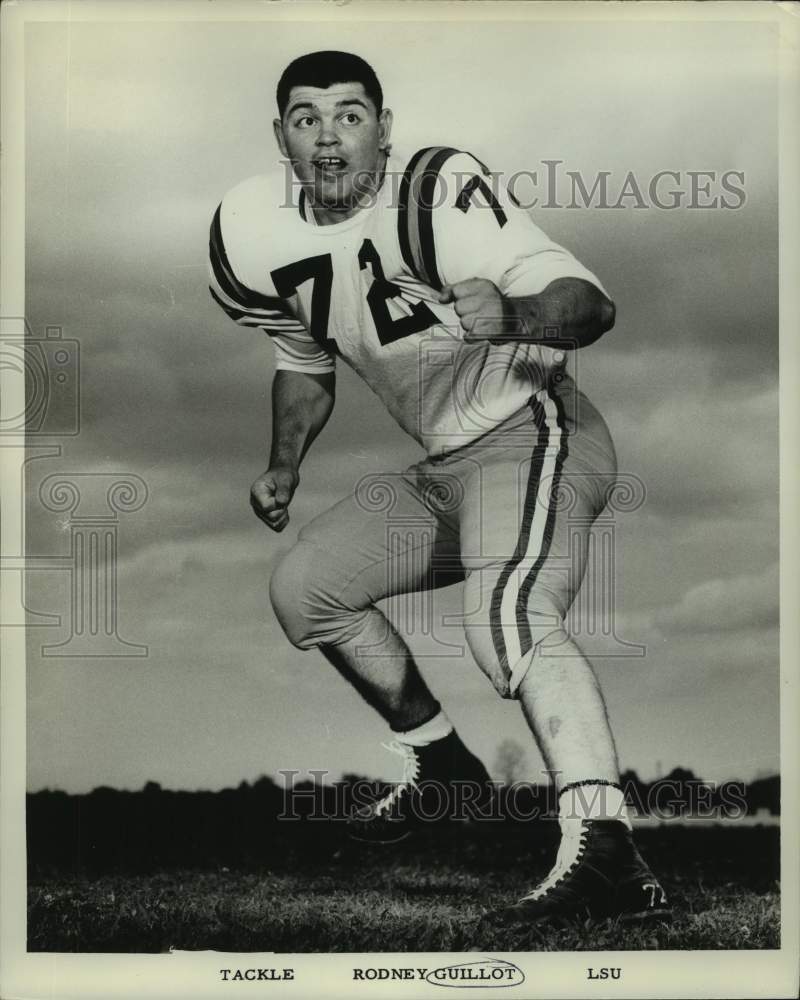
[
  {"x": 415, "y": 195},
  {"x": 425, "y": 214},
  {"x": 403, "y": 224},
  {"x": 275, "y": 322},
  {"x": 223, "y": 272},
  {"x": 239, "y": 293},
  {"x": 272, "y": 315},
  {"x": 281, "y": 314},
  {"x": 415, "y": 218}
]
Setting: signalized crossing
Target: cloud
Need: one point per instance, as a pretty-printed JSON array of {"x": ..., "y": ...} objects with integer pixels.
[
  {"x": 748, "y": 601},
  {"x": 736, "y": 614},
  {"x": 702, "y": 453}
]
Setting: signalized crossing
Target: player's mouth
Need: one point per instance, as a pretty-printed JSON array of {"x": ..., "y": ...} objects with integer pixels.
[{"x": 330, "y": 165}]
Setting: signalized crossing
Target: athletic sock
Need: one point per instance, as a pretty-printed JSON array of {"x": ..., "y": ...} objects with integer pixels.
[
  {"x": 593, "y": 800},
  {"x": 434, "y": 729}
]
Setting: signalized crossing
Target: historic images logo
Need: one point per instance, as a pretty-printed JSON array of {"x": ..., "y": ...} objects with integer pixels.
[{"x": 41, "y": 406}]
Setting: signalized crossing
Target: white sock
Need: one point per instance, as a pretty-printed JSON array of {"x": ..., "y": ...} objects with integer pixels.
[
  {"x": 434, "y": 729},
  {"x": 593, "y": 801}
]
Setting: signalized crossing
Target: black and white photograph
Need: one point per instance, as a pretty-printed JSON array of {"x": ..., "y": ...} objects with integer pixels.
[{"x": 398, "y": 493}]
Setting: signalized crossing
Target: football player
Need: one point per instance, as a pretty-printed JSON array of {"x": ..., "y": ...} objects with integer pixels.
[{"x": 459, "y": 312}]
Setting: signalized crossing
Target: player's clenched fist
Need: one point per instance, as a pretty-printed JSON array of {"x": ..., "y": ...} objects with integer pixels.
[
  {"x": 481, "y": 308},
  {"x": 271, "y": 494}
]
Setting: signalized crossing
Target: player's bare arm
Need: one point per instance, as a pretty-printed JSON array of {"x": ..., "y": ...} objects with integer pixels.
[
  {"x": 301, "y": 405},
  {"x": 569, "y": 313}
]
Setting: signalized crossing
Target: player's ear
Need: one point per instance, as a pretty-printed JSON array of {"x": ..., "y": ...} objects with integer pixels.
[
  {"x": 385, "y": 119},
  {"x": 277, "y": 127}
]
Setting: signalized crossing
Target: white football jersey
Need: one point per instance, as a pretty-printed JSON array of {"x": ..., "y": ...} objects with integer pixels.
[{"x": 365, "y": 289}]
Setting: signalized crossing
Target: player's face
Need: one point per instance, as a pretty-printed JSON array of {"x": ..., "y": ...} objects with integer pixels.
[{"x": 334, "y": 139}]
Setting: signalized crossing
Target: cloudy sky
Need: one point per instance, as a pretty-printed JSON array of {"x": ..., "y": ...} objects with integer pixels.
[{"x": 135, "y": 131}]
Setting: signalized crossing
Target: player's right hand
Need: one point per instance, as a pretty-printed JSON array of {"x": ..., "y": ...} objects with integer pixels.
[{"x": 271, "y": 494}]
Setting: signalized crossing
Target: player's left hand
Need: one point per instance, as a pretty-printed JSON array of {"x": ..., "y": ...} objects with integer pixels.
[{"x": 483, "y": 311}]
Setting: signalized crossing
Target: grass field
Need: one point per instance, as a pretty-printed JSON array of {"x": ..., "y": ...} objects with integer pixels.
[{"x": 422, "y": 895}]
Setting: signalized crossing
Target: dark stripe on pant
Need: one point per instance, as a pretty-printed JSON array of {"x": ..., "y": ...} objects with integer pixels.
[
  {"x": 531, "y": 490},
  {"x": 523, "y": 622}
]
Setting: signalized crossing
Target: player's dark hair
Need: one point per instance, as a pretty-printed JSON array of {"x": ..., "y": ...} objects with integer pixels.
[{"x": 323, "y": 69}]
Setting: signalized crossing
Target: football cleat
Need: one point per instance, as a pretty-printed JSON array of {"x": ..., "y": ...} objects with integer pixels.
[
  {"x": 598, "y": 873},
  {"x": 440, "y": 781}
]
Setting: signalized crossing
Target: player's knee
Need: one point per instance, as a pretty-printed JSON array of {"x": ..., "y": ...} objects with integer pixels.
[
  {"x": 287, "y": 592},
  {"x": 309, "y": 600},
  {"x": 505, "y": 642},
  {"x": 547, "y": 640}
]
